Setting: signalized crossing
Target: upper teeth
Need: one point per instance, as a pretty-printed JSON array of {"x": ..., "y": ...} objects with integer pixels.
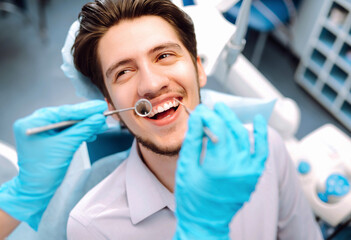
[{"x": 161, "y": 108}]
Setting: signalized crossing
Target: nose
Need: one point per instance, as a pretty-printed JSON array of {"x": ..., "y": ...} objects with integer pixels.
[{"x": 151, "y": 81}]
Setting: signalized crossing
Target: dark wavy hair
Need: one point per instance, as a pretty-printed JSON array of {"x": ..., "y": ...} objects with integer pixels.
[{"x": 97, "y": 17}]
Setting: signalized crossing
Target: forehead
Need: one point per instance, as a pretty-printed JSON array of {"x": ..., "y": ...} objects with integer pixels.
[{"x": 131, "y": 38}]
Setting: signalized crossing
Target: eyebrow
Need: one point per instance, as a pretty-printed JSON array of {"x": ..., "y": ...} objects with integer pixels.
[
  {"x": 116, "y": 65},
  {"x": 158, "y": 48},
  {"x": 163, "y": 46}
]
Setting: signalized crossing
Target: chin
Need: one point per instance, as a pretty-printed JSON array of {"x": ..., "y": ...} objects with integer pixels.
[{"x": 161, "y": 150}]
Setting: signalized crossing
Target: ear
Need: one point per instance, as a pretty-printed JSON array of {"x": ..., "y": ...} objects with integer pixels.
[
  {"x": 201, "y": 73},
  {"x": 111, "y": 108}
]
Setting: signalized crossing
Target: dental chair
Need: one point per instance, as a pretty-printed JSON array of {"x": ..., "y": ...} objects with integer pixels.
[{"x": 112, "y": 141}]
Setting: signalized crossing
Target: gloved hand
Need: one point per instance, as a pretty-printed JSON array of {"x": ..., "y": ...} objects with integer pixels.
[
  {"x": 44, "y": 158},
  {"x": 209, "y": 194}
]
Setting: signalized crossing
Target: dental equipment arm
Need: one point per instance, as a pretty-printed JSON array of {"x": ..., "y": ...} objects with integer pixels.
[
  {"x": 44, "y": 158},
  {"x": 208, "y": 195},
  {"x": 237, "y": 41},
  {"x": 242, "y": 78}
]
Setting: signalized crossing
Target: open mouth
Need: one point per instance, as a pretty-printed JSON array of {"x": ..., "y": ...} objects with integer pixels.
[{"x": 164, "y": 110}]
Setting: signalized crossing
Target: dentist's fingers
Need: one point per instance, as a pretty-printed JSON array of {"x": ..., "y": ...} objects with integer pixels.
[
  {"x": 216, "y": 157},
  {"x": 86, "y": 129},
  {"x": 189, "y": 156},
  {"x": 70, "y": 112}
]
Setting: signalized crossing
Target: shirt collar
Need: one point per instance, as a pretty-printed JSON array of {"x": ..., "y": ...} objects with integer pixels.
[{"x": 145, "y": 194}]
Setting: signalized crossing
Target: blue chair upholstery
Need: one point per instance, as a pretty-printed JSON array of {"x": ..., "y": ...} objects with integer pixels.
[
  {"x": 109, "y": 142},
  {"x": 188, "y": 2},
  {"x": 258, "y": 19}
]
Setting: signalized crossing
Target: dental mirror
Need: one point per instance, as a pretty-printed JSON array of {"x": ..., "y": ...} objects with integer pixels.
[{"x": 142, "y": 108}]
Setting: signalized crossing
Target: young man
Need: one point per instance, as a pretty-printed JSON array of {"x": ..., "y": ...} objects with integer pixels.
[{"x": 147, "y": 49}]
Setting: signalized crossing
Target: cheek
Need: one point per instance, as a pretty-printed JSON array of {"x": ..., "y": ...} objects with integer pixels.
[
  {"x": 121, "y": 95},
  {"x": 184, "y": 74},
  {"x": 121, "y": 99}
]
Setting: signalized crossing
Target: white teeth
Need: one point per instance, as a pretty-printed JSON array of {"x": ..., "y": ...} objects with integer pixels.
[{"x": 162, "y": 108}]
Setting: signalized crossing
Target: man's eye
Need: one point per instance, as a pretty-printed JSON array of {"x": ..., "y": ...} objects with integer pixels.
[
  {"x": 121, "y": 73},
  {"x": 162, "y": 56}
]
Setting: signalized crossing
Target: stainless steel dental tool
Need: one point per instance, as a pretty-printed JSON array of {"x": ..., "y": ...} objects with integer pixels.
[
  {"x": 207, "y": 131},
  {"x": 142, "y": 107}
]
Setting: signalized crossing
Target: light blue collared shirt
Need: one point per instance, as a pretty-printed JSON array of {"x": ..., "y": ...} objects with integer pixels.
[
  {"x": 132, "y": 204},
  {"x": 129, "y": 204}
]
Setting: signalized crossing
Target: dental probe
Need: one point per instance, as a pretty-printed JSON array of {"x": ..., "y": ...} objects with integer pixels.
[
  {"x": 207, "y": 131},
  {"x": 142, "y": 107}
]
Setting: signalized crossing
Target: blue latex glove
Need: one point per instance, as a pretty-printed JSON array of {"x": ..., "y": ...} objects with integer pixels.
[
  {"x": 209, "y": 194},
  {"x": 44, "y": 158}
]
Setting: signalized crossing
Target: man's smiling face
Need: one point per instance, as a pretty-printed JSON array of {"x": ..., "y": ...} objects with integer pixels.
[{"x": 144, "y": 58}]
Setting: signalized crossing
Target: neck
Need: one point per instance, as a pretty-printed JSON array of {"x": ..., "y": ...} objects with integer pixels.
[{"x": 162, "y": 166}]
